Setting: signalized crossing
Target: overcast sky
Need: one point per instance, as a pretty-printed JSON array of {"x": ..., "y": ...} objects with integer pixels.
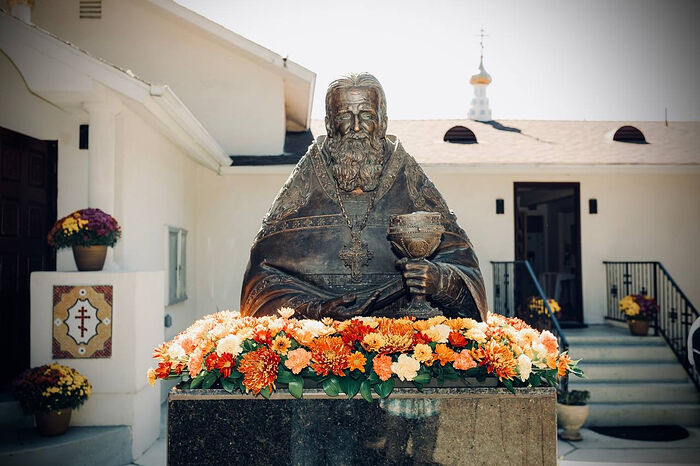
[{"x": 549, "y": 59}]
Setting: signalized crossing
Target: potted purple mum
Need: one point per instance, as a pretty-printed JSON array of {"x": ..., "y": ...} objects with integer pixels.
[{"x": 89, "y": 232}]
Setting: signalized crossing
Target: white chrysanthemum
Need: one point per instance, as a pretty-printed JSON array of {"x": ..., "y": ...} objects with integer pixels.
[
  {"x": 406, "y": 367},
  {"x": 438, "y": 333},
  {"x": 176, "y": 351},
  {"x": 524, "y": 366},
  {"x": 371, "y": 322},
  {"x": 276, "y": 325},
  {"x": 315, "y": 327},
  {"x": 476, "y": 334},
  {"x": 230, "y": 344},
  {"x": 286, "y": 312}
]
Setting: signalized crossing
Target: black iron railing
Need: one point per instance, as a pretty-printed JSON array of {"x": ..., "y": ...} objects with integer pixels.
[
  {"x": 514, "y": 285},
  {"x": 676, "y": 312}
]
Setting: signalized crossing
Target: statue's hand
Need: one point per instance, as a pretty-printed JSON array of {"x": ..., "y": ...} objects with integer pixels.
[
  {"x": 420, "y": 275},
  {"x": 338, "y": 308}
]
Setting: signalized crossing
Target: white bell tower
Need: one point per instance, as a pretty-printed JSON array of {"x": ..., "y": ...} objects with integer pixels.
[{"x": 480, "y": 110}]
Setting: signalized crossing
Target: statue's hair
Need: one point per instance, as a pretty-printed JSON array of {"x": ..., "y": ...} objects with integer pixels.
[{"x": 359, "y": 80}]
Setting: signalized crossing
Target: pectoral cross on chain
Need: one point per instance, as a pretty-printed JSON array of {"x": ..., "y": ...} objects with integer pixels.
[{"x": 355, "y": 255}]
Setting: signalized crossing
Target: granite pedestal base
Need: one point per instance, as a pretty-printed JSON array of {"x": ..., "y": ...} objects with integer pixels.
[{"x": 480, "y": 426}]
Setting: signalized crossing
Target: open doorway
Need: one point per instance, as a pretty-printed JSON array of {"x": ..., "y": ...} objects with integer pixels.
[{"x": 548, "y": 235}]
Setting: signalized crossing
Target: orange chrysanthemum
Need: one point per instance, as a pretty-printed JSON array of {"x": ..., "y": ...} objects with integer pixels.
[
  {"x": 398, "y": 335},
  {"x": 455, "y": 324},
  {"x": 259, "y": 369},
  {"x": 161, "y": 351},
  {"x": 357, "y": 361},
  {"x": 497, "y": 358},
  {"x": 444, "y": 354},
  {"x": 563, "y": 366},
  {"x": 382, "y": 367},
  {"x": 551, "y": 362},
  {"x": 163, "y": 370},
  {"x": 457, "y": 340},
  {"x": 329, "y": 354},
  {"x": 281, "y": 344}
]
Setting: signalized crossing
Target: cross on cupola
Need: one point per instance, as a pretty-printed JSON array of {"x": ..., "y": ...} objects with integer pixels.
[{"x": 480, "y": 110}]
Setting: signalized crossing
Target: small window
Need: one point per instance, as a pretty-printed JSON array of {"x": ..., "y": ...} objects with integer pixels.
[
  {"x": 177, "y": 265},
  {"x": 629, "y": 134},
  {"x": 460, "y": 135}
]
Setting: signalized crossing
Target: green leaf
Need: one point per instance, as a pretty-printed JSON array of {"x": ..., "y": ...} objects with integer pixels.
[
  {"x": 473, "y": 372},
  {"x": 422, "y": 378},
  {"x": 228, "y": 385},
  {"x": 366, "y": 390},
  {"x": 235, "y": 375},
  {"x": 197, "y": 381},
  {"x": 353, "y": 386},
  {"x": 373, "y": 378},
  {"x": 509, "y": 386},
  {"x": 209, "y": 380},
  {"x": 249, "y": 345},
  {"x": 331, "y": 386},
  {"x": 296, "y": 387},
  {"x": 419, "y": 386},
  {"x": 534, "y": 380},
  {"x": 384, "y": 389},
  {"x": 265, "y": 392},
  {"x": 284, "y": 376}
]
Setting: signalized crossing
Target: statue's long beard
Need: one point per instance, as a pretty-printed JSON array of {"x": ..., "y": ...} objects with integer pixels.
[{"x": 356, "y": 161}]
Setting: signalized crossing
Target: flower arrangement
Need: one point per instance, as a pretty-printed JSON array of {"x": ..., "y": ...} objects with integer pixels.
[
  {"x": 537, "y": 308},
  {"x": 85, "y": 227},
  {"x": 355, "y": 356},
  {"x": 50, "y": 387},
  {"x": 639, "y": 307}
]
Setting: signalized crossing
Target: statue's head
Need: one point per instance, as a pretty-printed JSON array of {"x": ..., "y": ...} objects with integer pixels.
[{"x": 356, "y": 125}]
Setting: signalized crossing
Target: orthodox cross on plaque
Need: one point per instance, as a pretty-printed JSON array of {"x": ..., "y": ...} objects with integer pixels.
[
  {"x": 82, "y": 318},
  {"x": 355, "y": 255}
]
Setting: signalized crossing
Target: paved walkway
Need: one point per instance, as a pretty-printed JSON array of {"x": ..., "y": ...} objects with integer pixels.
[{"x": 594, "y": 449}]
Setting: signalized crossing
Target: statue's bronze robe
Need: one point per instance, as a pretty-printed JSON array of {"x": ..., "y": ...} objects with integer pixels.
[{"x": 294, "y": 259}]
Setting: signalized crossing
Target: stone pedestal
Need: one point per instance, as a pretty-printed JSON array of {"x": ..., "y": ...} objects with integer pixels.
[{"x": 480, "y": 426}]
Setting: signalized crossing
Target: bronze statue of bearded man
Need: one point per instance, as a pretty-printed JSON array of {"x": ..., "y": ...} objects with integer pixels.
[{"x": 323, "y": 248}]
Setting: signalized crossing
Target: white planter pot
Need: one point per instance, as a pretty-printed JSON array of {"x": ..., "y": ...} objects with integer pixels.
[{"x": 571, "y": 419}]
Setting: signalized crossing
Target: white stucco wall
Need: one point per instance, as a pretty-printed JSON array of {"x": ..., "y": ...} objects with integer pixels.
[
  {"x": 35, "y": 117},
  {"x": 643, "y": 214},
  {"x": 155, "y": 183},
  {"x": 239, "y": 102}
]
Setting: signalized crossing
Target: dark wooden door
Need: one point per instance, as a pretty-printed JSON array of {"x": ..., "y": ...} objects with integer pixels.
[{"x": 27, "y": 212}]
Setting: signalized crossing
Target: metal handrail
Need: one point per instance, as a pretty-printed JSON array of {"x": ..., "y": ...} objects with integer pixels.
[
  {"x": 676, "y": 312},
  {"x": 563, "y": 343}
]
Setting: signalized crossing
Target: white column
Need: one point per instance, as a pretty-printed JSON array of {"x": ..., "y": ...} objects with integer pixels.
[
  {"x": 21, "y": 9},
  {"x": 102, "y": 160},
  {"x": 101, "y": 153}
]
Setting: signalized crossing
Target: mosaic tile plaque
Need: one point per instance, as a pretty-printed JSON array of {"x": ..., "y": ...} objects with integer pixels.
[{"x": 82, "y": 322}]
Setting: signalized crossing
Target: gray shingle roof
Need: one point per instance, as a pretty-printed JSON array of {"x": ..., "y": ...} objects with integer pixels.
[{"x": 547, "y": 142}]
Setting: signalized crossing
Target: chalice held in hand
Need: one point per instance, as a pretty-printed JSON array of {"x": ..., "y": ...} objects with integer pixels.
[{"x": 416, "y": 236}]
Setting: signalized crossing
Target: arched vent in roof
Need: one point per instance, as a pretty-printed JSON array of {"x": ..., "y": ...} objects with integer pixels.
[
  {"x": 460, "y": 135},
  {"x": 629, "y": 134}
]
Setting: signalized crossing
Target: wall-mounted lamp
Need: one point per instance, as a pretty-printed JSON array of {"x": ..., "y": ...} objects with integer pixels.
[
  {"x": 593, "y": 206},
  {"x": 499, "y": 206},
  {"x": 83, "y": 140}
]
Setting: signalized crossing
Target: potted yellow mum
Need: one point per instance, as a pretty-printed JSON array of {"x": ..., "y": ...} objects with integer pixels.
[
  {"x": 639, "y": 309},
  {"x": 50, "y": 392}
]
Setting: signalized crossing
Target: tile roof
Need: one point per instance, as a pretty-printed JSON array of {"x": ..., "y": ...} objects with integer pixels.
[{"x": 547, "y": 142}]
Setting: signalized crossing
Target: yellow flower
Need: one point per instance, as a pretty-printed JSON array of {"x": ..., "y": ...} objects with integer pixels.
[
  {"x": 151, "y": 377},
  {"x": 422, "y": 352},
  {"x": 281, "y": 344},
  {"x": 285, "y": 312},
  {"x": 373, "y": 341}
]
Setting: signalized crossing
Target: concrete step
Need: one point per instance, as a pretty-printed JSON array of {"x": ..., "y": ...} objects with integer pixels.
[
  {"x": 609, "y": 353},
  {"x": 632, "y": 371},
  {"x": 12, "y": 416},
  {"x": 616, "y": 340},
  {"x": 636, "y": 392},
  {"x": 88, "y": 446},
  {"x": 643, "y": 414}
]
